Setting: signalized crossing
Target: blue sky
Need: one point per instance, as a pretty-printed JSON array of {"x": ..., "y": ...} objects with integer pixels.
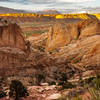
[{"x": 49, "y": 4}]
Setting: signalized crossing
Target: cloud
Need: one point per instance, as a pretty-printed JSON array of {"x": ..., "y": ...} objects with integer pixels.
[
  {"x": 74, "y": 0},
  {"x": 61, "y": 0},
  {"x": 46, "y": 4},
  {"x": 47, "y": 1}
]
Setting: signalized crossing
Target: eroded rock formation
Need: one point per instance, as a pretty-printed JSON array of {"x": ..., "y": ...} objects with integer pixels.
[
  {"x": 72, "y": 48},
  {"x": 11, "y": 36},
  {"x": 13, "y": 46},
  {"x": 63, "y": 34}
]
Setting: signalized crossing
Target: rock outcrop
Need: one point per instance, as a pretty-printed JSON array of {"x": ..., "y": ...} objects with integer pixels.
[
  {"x": 58, "y": 36},
  {"x": 83, "y": 54},
  {"x": 13, "y": 46},
  {"x": 89, "y": 28},
  {"x": 73, "y": 48},
  {"x": 63, "y": 34},
  {"x": 11, "y": 35},
  {"x": 69, "y": 51}
]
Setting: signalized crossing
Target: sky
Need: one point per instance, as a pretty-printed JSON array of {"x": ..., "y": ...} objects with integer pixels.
[{"x": 49, "y": 4}]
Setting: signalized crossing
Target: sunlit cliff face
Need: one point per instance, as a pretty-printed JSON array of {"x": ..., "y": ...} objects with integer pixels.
[{"x": 57, "y": 16}]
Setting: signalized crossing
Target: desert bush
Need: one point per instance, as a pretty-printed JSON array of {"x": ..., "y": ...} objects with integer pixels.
[
  {"x": 40, "y": 31},
  {"x": 63, "y": 77},
  {"x": 17, "y": 90},
  {"x": 27, "y": 34},
  {"x": 63, "y": 98},
  {"x": 2, "y": 94},
  {"x": 71, "y": 98},
  {"x": 35, "y": 32},
  {"x": 77, "y": 98},
  {"x": 40, "y": 77},
  {"x": 52, "y": 83},
  {"x": 63, "y": 81},
  {"x": 93, "y": 85},
  {"x": 66, "y": 85},
  {"x": 95, "y": 94},
  {"x": 95, "y": 90},
  {"x": 96, "y": 83},
  {"x": 31, "y": 82},
  {"x": 90, "y": 82},
  {"x": 40, "y": 48}
]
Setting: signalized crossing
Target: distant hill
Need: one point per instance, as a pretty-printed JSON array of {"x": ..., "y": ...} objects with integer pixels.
[
  {"x": 92, "y": 10},
  {"x": 4, "y": 10},
  {"x": 48, "y": 12}
]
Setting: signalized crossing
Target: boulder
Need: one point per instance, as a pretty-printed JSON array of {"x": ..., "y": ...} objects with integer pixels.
[{"x": 54, "y": 96}]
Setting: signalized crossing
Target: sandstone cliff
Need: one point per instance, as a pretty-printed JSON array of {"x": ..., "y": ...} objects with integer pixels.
[
  {"x": 13, "y": 47},
  {"x": 62, "y": 34},
  {"x": 11, "y": 36}
]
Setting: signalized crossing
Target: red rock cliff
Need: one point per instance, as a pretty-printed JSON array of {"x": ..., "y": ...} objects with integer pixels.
[{"x": 11, "y": 36}]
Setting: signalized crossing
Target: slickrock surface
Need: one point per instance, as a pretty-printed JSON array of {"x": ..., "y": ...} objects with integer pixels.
[{"x": 84, "y": 53}]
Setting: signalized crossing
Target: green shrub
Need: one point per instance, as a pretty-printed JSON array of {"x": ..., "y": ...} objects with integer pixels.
[
  {"x": 27, "y": 34},
  {"x": 62, "y": 80},
  {"x": 66, "y": 85},
  {"x": 2, "y": 94},
  {"x": 93, "y": 85},
  {"x": 63, "y": 98},
  {"x": 17, "y": 90},
  {"x": 35, "y": 32},
  {"x": 63, "y": 77},
  {"x": 77, "y": 98},
  {"x": 71, "y": 98},
  {"x": 96, "y": 83},
  {"x": 40, "y": 77},
  {"x": 40, "y": 31},
  {"x": 91, "y": 82},
  {"x": 52, "y": 83},
  {"x": 95, "y": 94}
]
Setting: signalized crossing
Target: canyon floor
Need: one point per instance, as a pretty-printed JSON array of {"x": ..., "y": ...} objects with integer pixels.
[{"x": 55, "y": 59}]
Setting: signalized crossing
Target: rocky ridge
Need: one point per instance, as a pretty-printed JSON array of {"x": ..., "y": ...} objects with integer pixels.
[{"x": 62, "y": 34}]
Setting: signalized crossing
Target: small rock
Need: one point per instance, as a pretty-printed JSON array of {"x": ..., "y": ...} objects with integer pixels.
[
  {"x": 53, "y": 96},
  {"x": 44, "y": 84}
]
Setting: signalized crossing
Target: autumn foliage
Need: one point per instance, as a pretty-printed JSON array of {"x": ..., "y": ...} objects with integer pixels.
[{"x": 57, "y": 16}]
